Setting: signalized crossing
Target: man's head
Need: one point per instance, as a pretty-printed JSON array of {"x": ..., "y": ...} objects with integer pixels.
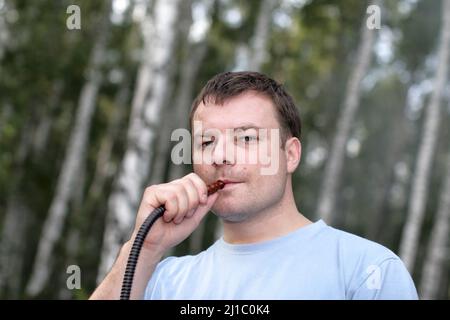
[
  {"x": 228, "y": 85},
  {"x": 248, "y": 114}
]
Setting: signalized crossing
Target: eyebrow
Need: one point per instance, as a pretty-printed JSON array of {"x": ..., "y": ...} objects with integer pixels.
[
  {"x": 249, "y": 126},
  {"x": 240, "y": 127}
]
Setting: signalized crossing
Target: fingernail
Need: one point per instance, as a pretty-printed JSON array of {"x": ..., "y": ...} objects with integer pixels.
[{"x": 204, "y": 198}]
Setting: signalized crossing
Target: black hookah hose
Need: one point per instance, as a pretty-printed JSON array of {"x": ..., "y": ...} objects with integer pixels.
[{"x": 139, "y": 241}]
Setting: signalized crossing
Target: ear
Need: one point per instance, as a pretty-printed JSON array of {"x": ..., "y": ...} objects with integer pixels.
[{"x": 293, "y": 151}]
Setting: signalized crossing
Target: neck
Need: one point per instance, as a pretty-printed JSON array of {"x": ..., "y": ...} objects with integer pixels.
[{"x": 273, "y": 222}]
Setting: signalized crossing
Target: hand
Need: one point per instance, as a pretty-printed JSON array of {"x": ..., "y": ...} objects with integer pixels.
[{"x": 186, "y": 204}]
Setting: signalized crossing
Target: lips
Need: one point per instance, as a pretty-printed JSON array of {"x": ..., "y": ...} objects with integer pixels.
[{"x": 230, "y": 183}]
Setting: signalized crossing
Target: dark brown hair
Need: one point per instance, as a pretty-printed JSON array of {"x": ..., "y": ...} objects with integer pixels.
[{"x": 231, "y": 84}]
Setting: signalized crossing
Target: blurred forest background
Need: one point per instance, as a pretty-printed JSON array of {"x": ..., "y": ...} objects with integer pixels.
[{"x": 86, "y": 117}]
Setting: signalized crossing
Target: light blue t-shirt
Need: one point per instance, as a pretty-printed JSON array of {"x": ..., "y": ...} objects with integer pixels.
[{"x": 312, "y": 262}]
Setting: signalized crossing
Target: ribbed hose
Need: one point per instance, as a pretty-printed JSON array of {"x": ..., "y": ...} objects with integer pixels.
[{"x": 136, "y": 249}]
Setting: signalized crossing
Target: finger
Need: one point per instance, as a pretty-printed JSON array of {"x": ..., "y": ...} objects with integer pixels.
[
  {"x": 167, "y": 196},
  {"x": 200, "y": 185},
  {"x": 183, "y": 204},
  {"x": 193, "y": 194},
  {"x": 155, "y": 196},
  {"x": 190, "y": 213}
]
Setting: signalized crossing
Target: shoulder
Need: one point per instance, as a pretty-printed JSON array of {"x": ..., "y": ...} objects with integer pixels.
[
  {"x": 354, "y": 245},
  {"x": 355, "y": 248},
  {"x": 371, "y": 270},
  {"x": 173, "y": 266},
  {"x": 168, "y": 271},
  {"x": 169, "y": 266},
  {"x": 173, "y": 263}
]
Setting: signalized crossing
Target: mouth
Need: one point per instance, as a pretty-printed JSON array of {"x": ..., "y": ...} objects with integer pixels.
[{"x": 229, "y": 184}]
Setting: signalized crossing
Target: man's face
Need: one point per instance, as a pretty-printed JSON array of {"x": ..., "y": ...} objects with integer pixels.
[{"x": 227, "y": 140}]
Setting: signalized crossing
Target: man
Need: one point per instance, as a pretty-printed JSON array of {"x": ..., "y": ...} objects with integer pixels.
[{"x": 269, "y": 250}]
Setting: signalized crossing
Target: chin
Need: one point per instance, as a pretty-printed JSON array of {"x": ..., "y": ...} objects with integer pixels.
[
  {"x": 230, "y": 213},
  {"x": 232, "y": 217},
  {"x": 225, "y": 208}
]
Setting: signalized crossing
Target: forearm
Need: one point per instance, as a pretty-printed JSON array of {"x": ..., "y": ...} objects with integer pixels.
[{"x": 109, "y": 288}]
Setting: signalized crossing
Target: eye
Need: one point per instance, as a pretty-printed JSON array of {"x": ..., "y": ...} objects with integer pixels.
[
  {"x": 247, "y": 138},
  {"x": 206, "y": 143}
]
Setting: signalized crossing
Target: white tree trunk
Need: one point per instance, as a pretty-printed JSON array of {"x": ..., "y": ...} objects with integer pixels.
[
  {"x": 402, "y": 130},
  {"x": 43, "y": 130},
  {"x": 182, "y": 105},
  {"x": 184, "y": 98},
  {"x": 14, "y": 224},
  {"x": 174, "y": 106},
  {"x": 196, "y": 54},
  {"x": 5, "y": 114},
  {"x": 334, "y": 166},
  {"x": 261, "y": 35},
  {"x": 123, "y": 202},
  {"x": 189, "y": 73},
  {"x": 102, "y": 173},
  {"x": 74, "y": 156},
  {"x": 437, "y": 251},
  {"x": 12, "y": 246},
  {"x": 4, "y": 33},
  {"x": 103, "y": 164},
  {"x": 72, "y": 239},
  {"x": 71, "y": 248},
  {"x": 416, "y": 211}
]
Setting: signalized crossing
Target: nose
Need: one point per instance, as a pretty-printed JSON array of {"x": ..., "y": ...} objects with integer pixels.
[{"x": 223, "y": 152}]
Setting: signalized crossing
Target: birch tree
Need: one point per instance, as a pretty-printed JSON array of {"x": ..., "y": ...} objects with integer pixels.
[
  {"x": 437, "y": 250},
  {"x": 4, "y": 34},
  {"x": 43, "y": 130},
  {"x": 417, "y": 201},
  {"x": 103, "y": 163},
  {"x": 12, "y": 244},
  {"x": 74, "y": 156},
  {"x": 197, "y": 53},
  {"x": 261, "y": 35},
  {"x": 5, "y": 115},
  {"x": 83, "y": 208},
  {"x": 173, "y": 107},
  {"x": 147, "y": 103},
  {"x": 334, "y": 166}
]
